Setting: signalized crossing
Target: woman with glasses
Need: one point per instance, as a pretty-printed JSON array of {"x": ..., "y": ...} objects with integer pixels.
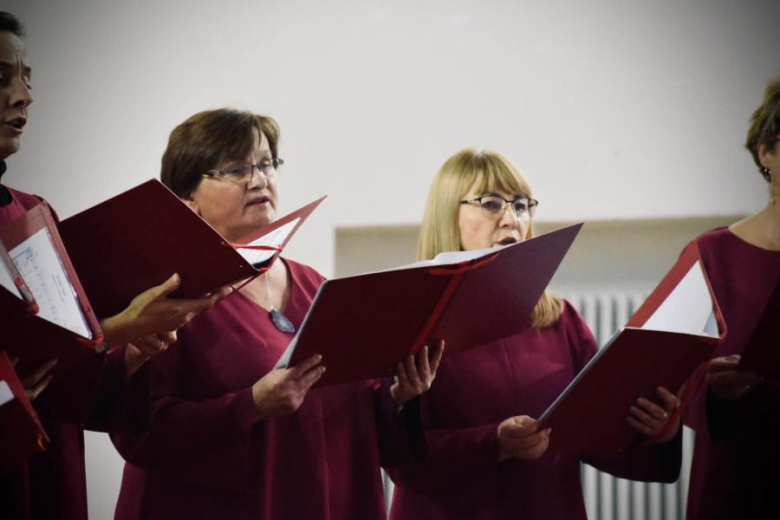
[
  {"x": 52, "y": 484},
  {"x": 230, "y": 436},
  {"x": 480, "y": 453},
  {"x": 736, "y": 414}
]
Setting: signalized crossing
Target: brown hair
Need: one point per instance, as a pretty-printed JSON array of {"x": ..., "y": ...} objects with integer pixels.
[
  {"x": 12, "y": 24},
  {"x": 208, "y": 139},
  {"x": 440, "y": 231},
  {"x": 765, "y": 125}
]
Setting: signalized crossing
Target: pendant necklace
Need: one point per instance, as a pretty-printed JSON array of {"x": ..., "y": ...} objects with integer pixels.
[{"x": 278, "y": 318}]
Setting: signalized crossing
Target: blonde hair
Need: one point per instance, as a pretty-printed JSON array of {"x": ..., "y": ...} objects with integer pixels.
[{"x": 440, "y": 231}]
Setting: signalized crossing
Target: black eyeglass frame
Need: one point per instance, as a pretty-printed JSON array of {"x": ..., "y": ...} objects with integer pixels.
[
  {"x": 265, "y": 167},
  {"x": 531, "y": 209}
]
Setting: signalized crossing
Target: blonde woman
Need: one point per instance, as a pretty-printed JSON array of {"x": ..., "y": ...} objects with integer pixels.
[{"x": 481, "y": 453}]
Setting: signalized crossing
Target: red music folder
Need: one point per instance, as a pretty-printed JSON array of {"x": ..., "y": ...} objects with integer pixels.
[
  {"x": 45, "y": 314},
  {"x": 139, "y": 238},
  {"x": 762, "y": 355},
  {"x": 675, "y": 330},
  {"x": 364, "y": 325},
  {"x": 21, "y": 433}
]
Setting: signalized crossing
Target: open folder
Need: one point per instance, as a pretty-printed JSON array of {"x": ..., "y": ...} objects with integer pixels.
[
  {"x": 139, "y": 238},
  {"x": 44, "y": 312},
  {"x": 364, "y": 325},
  {"x": 762, "y": 354},
  {"x": 675, "y": 330},
  {"x": 21, "y": 433}
]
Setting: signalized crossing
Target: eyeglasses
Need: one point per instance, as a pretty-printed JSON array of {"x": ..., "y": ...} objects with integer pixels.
[
  {"x": 242, "y": 173},
  {"x": 493, "y": 205}
]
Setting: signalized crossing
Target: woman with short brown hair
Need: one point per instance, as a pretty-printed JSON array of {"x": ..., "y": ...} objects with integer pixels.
[
  {"x": 736, "y": 415},
  {"x": 230, "y": 436}
]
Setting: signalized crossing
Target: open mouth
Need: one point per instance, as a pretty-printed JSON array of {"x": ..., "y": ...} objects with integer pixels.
[
  {"x": 18, "y": 123},
  {"x": 258, "y": 201},
  {"x": 508, "y": 241}
]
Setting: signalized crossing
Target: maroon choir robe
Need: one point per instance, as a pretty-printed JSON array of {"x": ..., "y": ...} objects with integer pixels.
[
  {"x": 737, "y": 453},
  {"x": 458, "y": 474},
  {"x": 52, "y": 484},
  {"x": 207, "y": 455}
]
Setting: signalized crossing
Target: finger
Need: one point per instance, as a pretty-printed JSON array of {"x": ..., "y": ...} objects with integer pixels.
[
  {"x": 223, "y": 292},
  {"x": 147, "y": 345},
  {"x": 411, "y": 369},
  {"x": 438, "y": 352},
  {"x": 651, "y": 408},
  {"x": 32, "y": 379},
  {"x": 167, "y": 338},
  {"x": 14, "y": 360},
  {"x": 297, "y": 371},
  {"x": 423, "y": 367},
  {"x": 400, "y": 373},
  {"x": 526, "y": 443},
  {"x": 648, "y": 418},
  {"x": 538, "y": 450},
  {"x": 521, "y": 427},
  {"x": 732, "y": 378},
  {"x": 36, "y": 390},
  {"x": 641, "y": 427},
  {"x": 723, "y": 363},
  {"x": 161, "y": 291},
  {"x": 311, "y": 377},
  {"x": 670, "y": 400}
]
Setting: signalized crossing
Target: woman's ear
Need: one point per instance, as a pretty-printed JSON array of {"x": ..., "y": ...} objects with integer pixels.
[
  {"x": 767, "y": 156},
  {"x": 192, "y": 203}
]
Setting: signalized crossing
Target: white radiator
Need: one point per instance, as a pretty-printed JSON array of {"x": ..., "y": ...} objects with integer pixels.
[{"x": 607, "y": 497}]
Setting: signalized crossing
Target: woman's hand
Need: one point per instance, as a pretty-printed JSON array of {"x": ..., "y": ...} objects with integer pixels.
[
  {"x": 280, "y": 392},
  {"x": 519, "y": 438},
  {"x": 726, "y": 381},
  {"x": 37, "y": 381},
  {"x": 415, "y": 375},
  {"x": 142, "y": 349},
  {"x": 650, "y": 419},
  {"x": 152, "y": 313}
]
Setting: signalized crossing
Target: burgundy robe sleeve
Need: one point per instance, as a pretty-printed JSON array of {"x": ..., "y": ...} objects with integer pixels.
[
  {"x": 96, "y": 394},
  {"x": 397, "y": 426},
  {"x": 218, "y": 431}
]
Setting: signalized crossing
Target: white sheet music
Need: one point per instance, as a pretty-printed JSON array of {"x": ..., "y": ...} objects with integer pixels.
[
  {"x": 7, "y": 281},
  {"x": 38, "y": 263},
  {"x": 274, "y": 238},
  {"x": 5, "y": 393},
  {"x": 449, "y": 258},
  {"x": 688, "y": 308}
]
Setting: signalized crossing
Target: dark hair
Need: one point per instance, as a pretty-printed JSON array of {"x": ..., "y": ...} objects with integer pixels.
[
  {"x": 12, "y": 24},
  {"x": 765, "y": 125},
  {"x": 206, "y": 140}
]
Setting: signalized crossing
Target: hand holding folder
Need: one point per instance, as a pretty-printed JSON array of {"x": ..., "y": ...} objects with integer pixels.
[
  {"x": 675, "y": 330},
  {"x": 122, "y": 256},
  {"x": 364, "y": 325}
]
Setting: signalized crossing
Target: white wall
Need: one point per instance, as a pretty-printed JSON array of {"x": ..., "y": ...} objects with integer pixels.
[{"x": 614, "y": 108}]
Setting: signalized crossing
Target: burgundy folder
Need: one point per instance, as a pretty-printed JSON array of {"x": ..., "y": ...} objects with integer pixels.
[
  {"x": 21, "y": 433},
  {"x": 139, "y": 238},
  {"x": 762, "y": 354},
  {"x": 26, "y": 334},
  {"x": 364, "y": 325},
  {"x": 590, "y": 415}
]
